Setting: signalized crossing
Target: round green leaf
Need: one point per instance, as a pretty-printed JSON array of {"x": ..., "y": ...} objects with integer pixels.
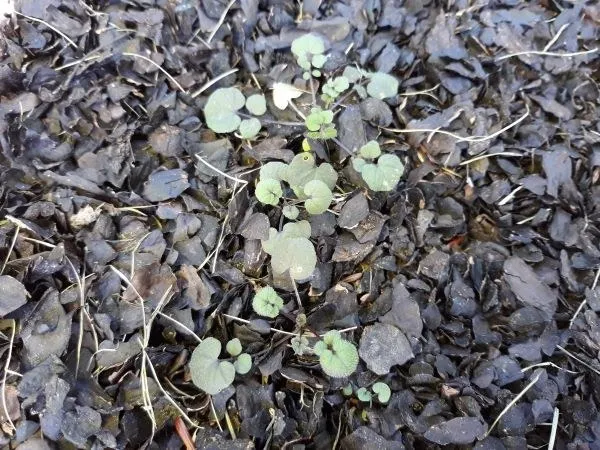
[
  {"x": 249, "y": 128},
  {"x": 267, "y": 303},
  {"x": 274, "y": 170},
  {"x": 383, "y": 391},
  {"x": 319, "y": 197},
  {"x": 302, "y": 170},
  {"x": 208, "y": 373},
  {"x": 384, "y": 175},
  {"x": 313, "y": 121},
  {"x": 363, "y": 395},
  {"x": 220, "y": 110},
  {"x": 347, "y": 390},
  {"x": 382, "y": 86},
  {"x": 299, "y": 229},
  {"x": 338, "y": 357},
  {"x": 309, "y": 44},
  {"x": 370, "y": 150},
  {"x": 291, "y": 250},
  {"x": 243, "y": 364},
  {"x": 256, "y": 104},
  {"x": 290, "y": 212},
  {"x": 268, "y": 191},
  {"x": 234, "y": 347},
  {"x": 318, "y": 61}
]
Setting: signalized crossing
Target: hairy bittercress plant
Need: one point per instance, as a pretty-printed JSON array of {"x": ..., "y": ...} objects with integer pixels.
[
  {"x": 211, "y": 374},
  {"x": 337, "y": 356}
]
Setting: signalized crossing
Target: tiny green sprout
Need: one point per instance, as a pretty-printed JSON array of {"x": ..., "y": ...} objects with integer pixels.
[
  {"x": 383, "y": 391},
  {"x": 291, "y": 249},
  {"x": 334, "y": 87},
  {"x": 363, "y": 395},
  {"x": 370, "y": 150},
  {"x": 318, "y": 117},
  {"x": 319, "y": 124},
  {"x": 337, "y": 356},
  {"x": 299, "y": 345},
  {"x": 211, "y": 374},
  {"x": 268, "y": 191},
  {"x": 267, "y": 303},
  {"x": 309, "y": 50},
  {"x": 290, "y": 212},
  {"x": 348, "y": 390},
  {"x": 382, "y": 176}
]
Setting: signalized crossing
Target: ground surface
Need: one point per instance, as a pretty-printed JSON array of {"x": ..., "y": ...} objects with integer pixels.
[{"x": 471, "y": 287}]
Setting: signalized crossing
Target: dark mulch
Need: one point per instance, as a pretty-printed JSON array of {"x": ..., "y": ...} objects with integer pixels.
[{"x": 475, "y": 281}]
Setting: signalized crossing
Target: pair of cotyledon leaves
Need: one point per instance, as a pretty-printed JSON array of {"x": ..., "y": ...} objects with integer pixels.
[
  {"x": 221, "y": 112},
  {"x": 381, "y": 390},
  {"x": 382, "y": 175},
  {"x": 211, "y": 374},
  {"x": 311, "y": 183}
]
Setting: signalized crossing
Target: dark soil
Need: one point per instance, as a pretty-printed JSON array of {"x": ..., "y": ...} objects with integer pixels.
[{"x": 471, "y": 289}]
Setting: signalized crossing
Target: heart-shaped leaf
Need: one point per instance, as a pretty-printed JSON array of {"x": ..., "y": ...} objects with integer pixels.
[
  {"x": 290, "y": 212},
  {"x": 302, "y": 169},
  {"x": 319, "y": 197},
  {"x": 208, "y": 373},
  {"x": 338, "y": 357},
  {"x": 383, "y": 391},
  {"x": 220, "y": 110},
  {"x": 268, "y": 191},
  {"x": 370, "y": 150},
  {"x": 384, "y": 175},
  {"x": 363, "y": 395},
  {"x": 274, "y": 169}
]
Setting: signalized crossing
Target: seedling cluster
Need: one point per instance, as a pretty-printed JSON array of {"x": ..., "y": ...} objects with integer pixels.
[{"x": 300, "y": 185}]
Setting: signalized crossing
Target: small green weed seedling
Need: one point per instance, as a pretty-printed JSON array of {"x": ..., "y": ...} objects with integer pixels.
[
  {"x": 337, "y": 356},
  {"x": 290, "y": 249},
  {"x": 380, "y": 390},
  {"x": 310, "y": 183},
  {"x": 222, "y": 107},
  {"x": 382, "y": 175},
  {"x": 267, "y": 303},
  {"x": 211, "y": 374}
]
